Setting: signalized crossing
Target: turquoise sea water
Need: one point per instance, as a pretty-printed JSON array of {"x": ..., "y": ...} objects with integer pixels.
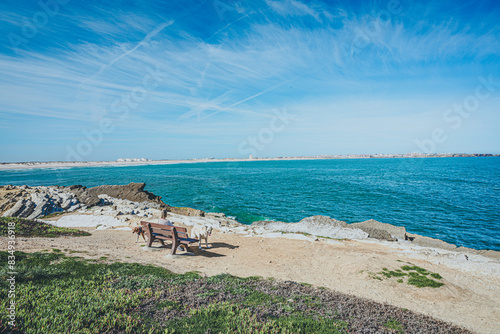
[{"x": 453, "y": 199}]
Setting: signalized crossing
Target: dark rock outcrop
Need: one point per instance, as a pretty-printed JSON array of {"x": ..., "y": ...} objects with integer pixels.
[
  {"x": 83, "y": 195},
  {"x": 133, "y": 192},
  {"x": 185, "y": 211},
  {"x": 380, "y": 230},
  {"x": 375, "y": 233}
]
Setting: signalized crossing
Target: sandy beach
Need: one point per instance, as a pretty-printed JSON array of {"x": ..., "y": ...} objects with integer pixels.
[
  {"x": 70, "y": 164},
  {"x": 143, "y": 162},
  {"x": 470, "y": 296}
]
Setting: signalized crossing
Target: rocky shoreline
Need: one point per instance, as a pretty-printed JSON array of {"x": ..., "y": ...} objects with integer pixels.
[{"x": 110, "y": 206}]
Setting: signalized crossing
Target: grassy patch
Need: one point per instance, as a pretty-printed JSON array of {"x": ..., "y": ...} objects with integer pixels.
[
  {"x": 436, "y": 275},
  {"x": 31, "y": 228},
  {"x": 392, "y": 273},
  {"x": 71, "y": 251},
  {"x": 421, "y": 281},
  {"x": 415, "y": 276},
  {"x": 56, "y": 293},
  {"x": 169, "y": 305},
  {"x": 61, "y": 294},
  {"x": 419, "y": 270},
  {"x": 230, "y": 318},
  {"x": 54, "y": 214},
  {"x": 394, "y": 325}
]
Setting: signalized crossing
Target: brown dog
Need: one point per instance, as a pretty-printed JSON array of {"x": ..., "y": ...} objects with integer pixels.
[{"x": 138, "y": 230}]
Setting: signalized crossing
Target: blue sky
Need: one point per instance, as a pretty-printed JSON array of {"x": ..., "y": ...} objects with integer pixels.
[{"x": 101, "y": 80}]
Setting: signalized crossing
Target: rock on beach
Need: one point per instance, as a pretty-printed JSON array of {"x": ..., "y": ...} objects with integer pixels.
[{"x": 316, "y": 225}]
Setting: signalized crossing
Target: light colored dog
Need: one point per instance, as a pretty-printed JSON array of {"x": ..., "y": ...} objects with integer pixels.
[{"x": 201, "y": 231}]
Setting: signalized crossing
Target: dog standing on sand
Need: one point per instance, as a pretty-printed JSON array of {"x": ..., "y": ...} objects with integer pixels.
[
  {"x": 201, "y": 231},
  {"x": 138, "y": 230}
]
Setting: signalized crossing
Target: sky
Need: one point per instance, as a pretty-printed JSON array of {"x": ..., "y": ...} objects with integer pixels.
[{"x": 102, "y": 80}]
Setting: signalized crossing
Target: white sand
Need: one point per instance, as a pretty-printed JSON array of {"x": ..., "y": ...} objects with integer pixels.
[
  {"x": 69, "y": 164},
  {"x": 101, "y": 222}
]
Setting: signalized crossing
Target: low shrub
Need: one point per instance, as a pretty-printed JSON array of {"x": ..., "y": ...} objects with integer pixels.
[
  {"x": 417, "y": 276},
  {"x": 33, "y": 228}
]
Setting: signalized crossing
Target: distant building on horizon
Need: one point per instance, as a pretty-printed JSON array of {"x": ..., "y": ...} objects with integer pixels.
[{"x": 132, "y": 159}]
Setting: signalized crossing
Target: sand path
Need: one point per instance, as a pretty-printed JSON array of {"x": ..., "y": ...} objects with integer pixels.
[{"x": 469, "y": 298}]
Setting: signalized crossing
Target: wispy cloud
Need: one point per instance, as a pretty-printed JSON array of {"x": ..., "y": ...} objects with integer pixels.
[
  {"x": 292, "y": 8},
  {"x": 228, "y": 72},
  {"x": 143, "y": 42}
]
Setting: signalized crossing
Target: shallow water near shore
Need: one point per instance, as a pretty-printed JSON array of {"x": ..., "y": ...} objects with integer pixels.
[{"x": 453, "y": 199}]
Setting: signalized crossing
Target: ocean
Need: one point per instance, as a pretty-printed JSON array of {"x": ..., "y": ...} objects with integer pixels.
[{"x": 453, "y": 199}]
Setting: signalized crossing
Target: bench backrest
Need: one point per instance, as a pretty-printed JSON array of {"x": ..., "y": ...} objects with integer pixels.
[
  {"x": 166, "y": 230},
  {"x": 181, "y": 232}
]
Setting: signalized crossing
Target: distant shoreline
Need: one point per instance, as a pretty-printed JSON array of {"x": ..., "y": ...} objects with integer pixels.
[{"x": 69, "y": 164}]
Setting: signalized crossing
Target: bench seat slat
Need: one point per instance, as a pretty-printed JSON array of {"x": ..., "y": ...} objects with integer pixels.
[
  {"x": 163, "y": 237},
  {"x": 161, "y": 234},
  {"x": 188, "y": 240}
]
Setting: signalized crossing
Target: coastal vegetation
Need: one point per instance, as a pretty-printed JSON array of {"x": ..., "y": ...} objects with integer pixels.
[
  {"x": 414, "y": 275},
  {"x": 33, "y": 228},
  {"x": 58, "y": 293}
]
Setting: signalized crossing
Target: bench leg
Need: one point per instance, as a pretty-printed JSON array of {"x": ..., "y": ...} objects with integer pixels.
[
  {"x": 150, "y": 241},
  {"x": 175, "y": 244}
]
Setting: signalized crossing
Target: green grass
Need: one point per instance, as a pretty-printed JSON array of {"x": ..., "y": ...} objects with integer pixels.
[
  {"x": 54, "y": 214},
  {"x": 56, "y": 293},
  {"x": 31, "y": 228},
  {"x": 421, "y": 281},
  {"x": 228, "y": 318},
  {"x": 394, "y": 325},
  {"x": 392, "y": 273},
  {"x": 169, "y": 305},
  {"x": 415, "y": 275},
  {"x": 436, "y": 276},
  {"x": 419, "y": 270}
]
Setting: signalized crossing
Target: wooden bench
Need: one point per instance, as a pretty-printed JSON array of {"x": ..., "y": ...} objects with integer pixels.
[{"x": 178, "y": 235}]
